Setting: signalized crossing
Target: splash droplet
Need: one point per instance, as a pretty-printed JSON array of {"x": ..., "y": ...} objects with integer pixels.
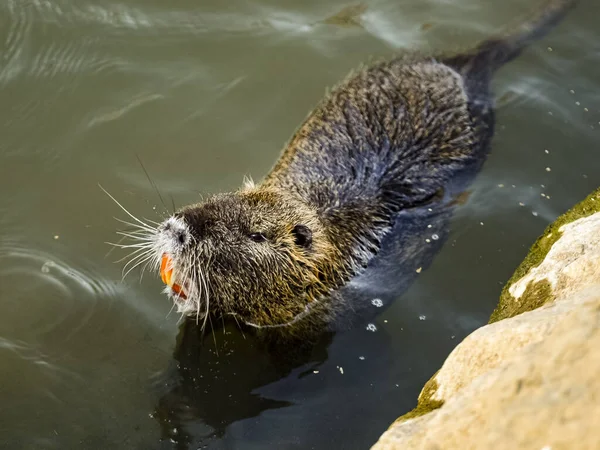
[{"x": 377, "y": 302}]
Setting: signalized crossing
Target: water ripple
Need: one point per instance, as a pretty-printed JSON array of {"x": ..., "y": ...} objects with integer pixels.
[
  {"x": 128, "y": 18},
  {"x": 36, "y": 358},
  {"x": 129, "y": 104},
  {"x": 40, "y": 287},
  {"x": 19, "y": 25}
]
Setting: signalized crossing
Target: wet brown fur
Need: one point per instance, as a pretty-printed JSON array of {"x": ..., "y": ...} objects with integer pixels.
[{"x": 389, "y": 138}]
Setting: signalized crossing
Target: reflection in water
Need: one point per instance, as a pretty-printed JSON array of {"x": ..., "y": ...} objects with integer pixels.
[
  {"x": 207, "y": 92},
  {"x": 214, "y": 379}
]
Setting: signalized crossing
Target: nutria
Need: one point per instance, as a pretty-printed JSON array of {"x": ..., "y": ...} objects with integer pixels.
[{"x": 387, "y": 139}]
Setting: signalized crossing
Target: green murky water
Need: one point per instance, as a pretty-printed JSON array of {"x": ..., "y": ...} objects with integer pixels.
[{"x": 205, "y": 93}]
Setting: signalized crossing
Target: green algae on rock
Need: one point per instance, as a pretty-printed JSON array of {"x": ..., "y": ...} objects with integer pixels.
[
  {"x": 425, "y": 403},
  {"x": 535, "y": 295},
  {"x": 540, "y": 293}
]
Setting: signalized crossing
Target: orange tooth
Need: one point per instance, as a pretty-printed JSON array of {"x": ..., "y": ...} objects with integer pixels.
[
  {"x": 166, "y": 270},
  {"x": 166, "y": 274},
  {"x": 178, "y": 290}
]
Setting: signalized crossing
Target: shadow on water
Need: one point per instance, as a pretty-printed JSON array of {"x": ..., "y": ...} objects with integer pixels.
[{"x": 214, "y": 377}]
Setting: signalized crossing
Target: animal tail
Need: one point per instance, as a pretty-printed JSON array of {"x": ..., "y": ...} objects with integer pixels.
[{"x": 493, "y": 53}]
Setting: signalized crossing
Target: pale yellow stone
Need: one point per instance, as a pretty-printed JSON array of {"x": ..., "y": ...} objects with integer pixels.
[{"x": 530, "y": 381}]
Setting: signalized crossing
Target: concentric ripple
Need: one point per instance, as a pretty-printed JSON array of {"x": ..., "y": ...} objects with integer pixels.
[{"x": 42, "y": 293}]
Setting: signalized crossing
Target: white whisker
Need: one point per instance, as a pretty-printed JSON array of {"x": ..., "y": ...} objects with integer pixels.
[
  {"x": 140, "y": 253},
  {"x": 136, "y": 265},
  {"x": 137, "y": 237},
  {"x": 147, "y": 229},
  {"x": 213, "y": 334},
  {"x": 139, "y": 250},
  {"x": 170, "y": 310},
  {"x": 142, "y": 245},
  {"x": 143, "y": 269},
  {"x": 153, "y": 222},
  {"x": 145, "y": 225},
  {"x": 112, "y": 248},
  {"x": 207, "y": 293}
]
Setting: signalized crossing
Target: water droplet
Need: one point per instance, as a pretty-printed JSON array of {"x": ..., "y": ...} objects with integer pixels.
[
  {"x": 422, "y": 317},
  {"x": 548, "y": 169},
  {"x": 521, "y": 204},
  {"x": 500, "y": 185},
  {"x": 549, "y": 49},
  {"x": 362, "y": 358},
  {"x": 547, "y": 152},
  {"x": 419, "y": 270},
  {"x": 371, "y": 327},
  {"x": 435, "y": 237},
  {"x": 428, "y": 240},
  {"x": 377, "y": 302},
  {"x": 535, "y": 214}
]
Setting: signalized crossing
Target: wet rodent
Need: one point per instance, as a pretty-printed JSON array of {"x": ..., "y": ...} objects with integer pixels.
[{"x": 389, "y": 138}]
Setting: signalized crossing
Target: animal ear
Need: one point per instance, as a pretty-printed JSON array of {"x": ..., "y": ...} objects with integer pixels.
[
  {"x": 303, "y": 235},
  {"x": 248, "y": 183}
]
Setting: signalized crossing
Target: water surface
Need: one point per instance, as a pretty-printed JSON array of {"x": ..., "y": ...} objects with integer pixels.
[{"x": 205, "y": 93}]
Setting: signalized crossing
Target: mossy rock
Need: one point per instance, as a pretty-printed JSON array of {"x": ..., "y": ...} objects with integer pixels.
[
  {"x": 426, "y": 403},
  {"x": 536, "y": 294},
  {"x": 540, "y": 293}
]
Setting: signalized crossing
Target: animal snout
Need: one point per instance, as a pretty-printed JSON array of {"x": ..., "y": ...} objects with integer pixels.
[
  {"x": 176, "y": 230},
  {"x": 197, "y": 221}
]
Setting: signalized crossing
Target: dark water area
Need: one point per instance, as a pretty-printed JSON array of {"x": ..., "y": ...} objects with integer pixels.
[{"x": 206, "y": 93}]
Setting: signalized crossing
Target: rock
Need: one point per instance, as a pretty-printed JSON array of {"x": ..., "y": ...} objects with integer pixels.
[
  {"x": 528, "y": 379},
  {"x": 539, "y": 293}
]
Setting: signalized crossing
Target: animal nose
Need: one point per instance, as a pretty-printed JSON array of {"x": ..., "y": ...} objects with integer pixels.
[
  {"x": 176, "y": 229},
  {"x": 179, "y": 235},
  {"x": 197, "y": 221}
]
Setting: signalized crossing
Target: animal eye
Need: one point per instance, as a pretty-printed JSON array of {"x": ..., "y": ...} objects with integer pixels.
[{"x": 258, "y": 237}]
